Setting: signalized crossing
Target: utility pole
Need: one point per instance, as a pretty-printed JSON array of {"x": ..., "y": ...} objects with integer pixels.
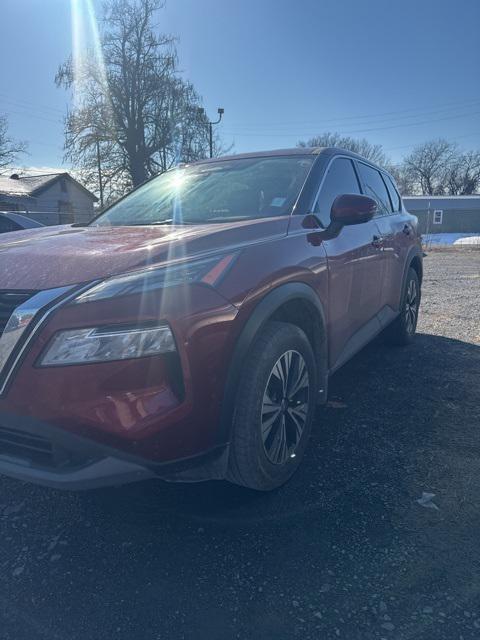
[
  {"x": 220, "y": 112},
  {"x": 100, "y": 182}
]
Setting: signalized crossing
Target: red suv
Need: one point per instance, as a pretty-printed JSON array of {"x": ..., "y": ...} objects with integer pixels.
[{"x": 189, "y": 331}]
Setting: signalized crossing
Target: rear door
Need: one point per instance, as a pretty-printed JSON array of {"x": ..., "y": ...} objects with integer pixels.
[
  {"x": 354, "y": 264},
  {"x": 373, "y": 185},
  {"x": 403, "y": 237},
  {"x": 396, "y": 234}
]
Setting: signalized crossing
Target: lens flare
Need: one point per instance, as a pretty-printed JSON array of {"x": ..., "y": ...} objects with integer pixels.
[
  {"x": 88, "y": 59},
  {"x": 78, "y": 46},
  {"x": 86, "y": 47},
  {"x": 96, "y": 42}
]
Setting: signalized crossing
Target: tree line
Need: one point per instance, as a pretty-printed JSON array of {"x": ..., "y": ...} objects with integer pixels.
[
  {"x": 433, "y": 168},
  {"x": 135, "y": 115}
]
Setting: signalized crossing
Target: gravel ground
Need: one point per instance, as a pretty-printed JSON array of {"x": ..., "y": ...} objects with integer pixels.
[{"x": 343, "y": 551}]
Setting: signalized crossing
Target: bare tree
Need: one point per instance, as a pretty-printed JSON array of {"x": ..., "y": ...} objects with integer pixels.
[
  {"x": 362, "y": 146},
  {"x": 133, "y": 109},
  {"x": 427, "y": 167},
  {"x": 403, "y": 179},
  {"x": 435, "y": 167},
  {"x": 463, "y": 174},
  {"x": 9, "y": 149}
]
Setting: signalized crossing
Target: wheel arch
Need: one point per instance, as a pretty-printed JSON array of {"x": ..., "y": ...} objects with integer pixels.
[
  {"x": 294, "y": 302},
  {"x": 416, "y": 263}
]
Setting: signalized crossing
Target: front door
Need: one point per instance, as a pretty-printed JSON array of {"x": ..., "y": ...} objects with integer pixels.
[{"x": 355, "y": 269}]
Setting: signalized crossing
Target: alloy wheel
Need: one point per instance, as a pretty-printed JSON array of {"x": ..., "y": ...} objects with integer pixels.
[
  {"x": 285, "y": 407},
  {"x": 411, "y": 307}
]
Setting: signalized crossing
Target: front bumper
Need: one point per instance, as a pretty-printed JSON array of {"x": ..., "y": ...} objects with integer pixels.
[
  {"x": 34, "y": 451},
  {"x": 100, "y": 473},
  {"x": 150, "y": 411}
]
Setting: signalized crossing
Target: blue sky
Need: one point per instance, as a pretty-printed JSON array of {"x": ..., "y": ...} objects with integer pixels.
[{"x": 395, "y": 72}]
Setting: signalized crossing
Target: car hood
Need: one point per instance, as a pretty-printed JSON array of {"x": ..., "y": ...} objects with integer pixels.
[{"x": 58, "y": 256}]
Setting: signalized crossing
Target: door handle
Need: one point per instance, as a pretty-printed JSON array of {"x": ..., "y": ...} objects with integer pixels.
[
  {"x": 377, "y": 242},
  {"x": 406, "y": 230}
]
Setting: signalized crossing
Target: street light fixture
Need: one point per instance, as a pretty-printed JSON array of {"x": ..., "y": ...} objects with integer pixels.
[{"x": 220, "y": 112}]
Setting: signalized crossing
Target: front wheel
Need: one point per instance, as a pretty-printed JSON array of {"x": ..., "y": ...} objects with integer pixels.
[
  {"x": 402, "y": 330},
  {"x": 274, "y": 408}
]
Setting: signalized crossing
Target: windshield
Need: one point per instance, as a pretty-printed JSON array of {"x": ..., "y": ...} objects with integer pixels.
[{"x": 223, "y": 191}]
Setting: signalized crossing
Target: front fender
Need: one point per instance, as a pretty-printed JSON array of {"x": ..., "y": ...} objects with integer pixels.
[{"x": 264, "y": 311}]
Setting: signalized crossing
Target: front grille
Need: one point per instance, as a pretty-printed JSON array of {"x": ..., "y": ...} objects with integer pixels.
[
  {"x": 27, "y": 446},
  {"x": 9, "y": 301}
]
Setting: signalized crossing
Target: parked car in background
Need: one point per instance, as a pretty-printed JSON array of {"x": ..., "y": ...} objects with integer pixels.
[
  {"x": 16, "y": 222},
  {"x": 190, "y": 330}
]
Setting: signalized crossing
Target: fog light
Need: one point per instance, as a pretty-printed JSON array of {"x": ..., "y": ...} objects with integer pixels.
[{"x": 103, "y": 344}]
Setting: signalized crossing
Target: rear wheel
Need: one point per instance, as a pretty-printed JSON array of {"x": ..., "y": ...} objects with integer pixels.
[
  {"x": 274, "y": 408},
  {"x": 402, "y": 330}
]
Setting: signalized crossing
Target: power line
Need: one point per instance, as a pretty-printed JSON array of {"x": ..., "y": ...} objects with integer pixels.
[
  {"x": 249, "y": 130},
  {"x": 397, "y": 120},
  {"x": 32, "y": 115},
  {"x": 414, "y": 144},
  {"x": 415, "y": 124},
  {"x": 28, "y": 104},
  {"x": 414, "y": 111},
  {"x": 355, "y": 131}
]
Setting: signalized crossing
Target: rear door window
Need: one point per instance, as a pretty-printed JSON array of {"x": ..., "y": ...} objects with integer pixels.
[
  {"x": 394, "y": 197},
  {"x": 340, "y": 179},
  {"x": 374, "y": 187}
]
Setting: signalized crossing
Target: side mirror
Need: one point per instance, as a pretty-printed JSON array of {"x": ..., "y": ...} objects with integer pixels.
[{"x": 352, "y": 208}]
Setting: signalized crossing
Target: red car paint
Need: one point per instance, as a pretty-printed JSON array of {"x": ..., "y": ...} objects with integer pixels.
[{"x": 135, "y": 406}]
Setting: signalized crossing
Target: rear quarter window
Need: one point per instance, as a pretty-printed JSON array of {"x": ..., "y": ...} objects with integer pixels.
[{"x": 394, "y": 195}]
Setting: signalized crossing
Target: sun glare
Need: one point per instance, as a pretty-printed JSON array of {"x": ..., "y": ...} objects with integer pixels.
[
  {"x": 94, "y": 34},
  {"x": 78, "y": 45},
  {"x": 86, "y": 44},
  {"x": 178, "y": 179}
]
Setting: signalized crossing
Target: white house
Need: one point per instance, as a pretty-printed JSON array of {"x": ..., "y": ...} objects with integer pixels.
[{"x": 54, "y": 198}]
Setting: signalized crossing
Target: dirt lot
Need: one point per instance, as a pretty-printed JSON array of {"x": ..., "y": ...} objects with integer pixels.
[{"x": 343, "y": 551}]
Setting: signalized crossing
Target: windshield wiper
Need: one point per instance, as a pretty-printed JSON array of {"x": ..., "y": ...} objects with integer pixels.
[
  {"x": 156, "y": 223},
  {"x": 228, "y": 219}
]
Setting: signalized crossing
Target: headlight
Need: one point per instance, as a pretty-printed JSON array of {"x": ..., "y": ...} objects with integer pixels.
[
  {"x": 102, "y": 344},
  {"x": 207, "y": 270}
]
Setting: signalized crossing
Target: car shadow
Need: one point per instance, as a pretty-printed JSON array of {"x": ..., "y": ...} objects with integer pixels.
[
  {"x": 331, "y": 550},
  {"x": 382, "y": 406}
]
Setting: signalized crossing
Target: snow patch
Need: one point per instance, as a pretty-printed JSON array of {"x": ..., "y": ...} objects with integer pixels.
[{"x": 449, "y": 239}]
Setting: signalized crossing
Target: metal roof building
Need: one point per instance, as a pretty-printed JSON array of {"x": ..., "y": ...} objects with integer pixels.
[{"x": 445, "y": 214}]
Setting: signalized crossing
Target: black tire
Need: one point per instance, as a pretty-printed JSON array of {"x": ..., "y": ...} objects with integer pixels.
[
  {"x": 264, "y": 462},
  {"x": 402, "y": 330}
]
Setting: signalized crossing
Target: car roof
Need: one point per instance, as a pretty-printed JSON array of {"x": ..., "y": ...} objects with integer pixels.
[{"x": 295, "y": 151}]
